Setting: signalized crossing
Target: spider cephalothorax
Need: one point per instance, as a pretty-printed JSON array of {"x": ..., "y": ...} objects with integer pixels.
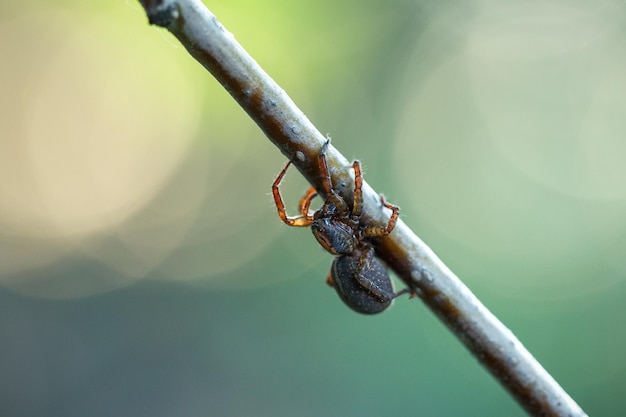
[{"x": 359, "y": 277}]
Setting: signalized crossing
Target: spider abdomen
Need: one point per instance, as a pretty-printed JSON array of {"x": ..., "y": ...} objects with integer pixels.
[{"x": 351, "y": 290}]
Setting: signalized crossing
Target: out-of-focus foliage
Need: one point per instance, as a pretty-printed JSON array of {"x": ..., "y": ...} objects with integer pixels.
[{"x": 143, "y": 270}]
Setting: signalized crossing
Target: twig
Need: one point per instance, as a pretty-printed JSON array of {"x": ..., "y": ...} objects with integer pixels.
[{"x": 288, "y": 128}]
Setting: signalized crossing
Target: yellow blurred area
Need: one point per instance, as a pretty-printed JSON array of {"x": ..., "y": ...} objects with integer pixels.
[
  {"x": 87, "y": 140},
  {"x": 82, "y": 151},
  {"x": 99, "y": 157}
]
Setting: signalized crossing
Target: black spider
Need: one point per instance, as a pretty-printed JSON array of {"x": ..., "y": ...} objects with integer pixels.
[{"x": 357, "y": 274}]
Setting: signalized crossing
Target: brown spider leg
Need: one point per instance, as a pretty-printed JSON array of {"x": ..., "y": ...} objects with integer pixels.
[
  {"x": 300, "y": 221},
  {"x": 331, "y": 195},
  {"x": 357, "y": 204},
  {"x": 329, "y": 279},
  {"x": 374, "y": 231},
  {"x": 402, "y": 292},
  {"x": 305, "y": 202}
]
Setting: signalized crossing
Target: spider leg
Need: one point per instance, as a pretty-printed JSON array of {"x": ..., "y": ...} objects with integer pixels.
[
  {"x": 404, "y": 291},
  {"x": 305, "y": 202},
  {"x": 364, "y": 260},
  {"x": 374, "y": 231},
  {"x": 329, "y": 279},
  {"x": 299, "y": 221},
  {"x": 331, "y": 195},
  {"x": 357, "y": 204}
]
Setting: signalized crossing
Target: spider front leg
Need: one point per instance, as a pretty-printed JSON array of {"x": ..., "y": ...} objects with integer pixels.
[
  {"x": 331, "y": 195},
  {"x": 305, "y": 202},
  {"x": 304, "y": 219},
  {"x": 357, "y": 204}
]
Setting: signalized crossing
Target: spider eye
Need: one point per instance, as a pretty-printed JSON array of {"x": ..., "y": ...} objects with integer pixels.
[
  {"x": 327, "y": 211},
  {"x": 330, "y": 209}
]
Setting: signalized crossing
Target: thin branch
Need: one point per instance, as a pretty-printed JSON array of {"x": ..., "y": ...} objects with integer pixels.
[{"x": 413, "y": 261}]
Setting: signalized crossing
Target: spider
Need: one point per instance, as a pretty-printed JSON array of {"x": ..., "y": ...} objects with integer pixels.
[{"x": 357, "y": 275}]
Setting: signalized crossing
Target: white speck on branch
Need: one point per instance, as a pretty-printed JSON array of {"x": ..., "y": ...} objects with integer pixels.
[{"x": 493, "y": 344}]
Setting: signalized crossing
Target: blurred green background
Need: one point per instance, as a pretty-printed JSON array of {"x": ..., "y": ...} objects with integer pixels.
[{"x": 143, "y": 269}]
